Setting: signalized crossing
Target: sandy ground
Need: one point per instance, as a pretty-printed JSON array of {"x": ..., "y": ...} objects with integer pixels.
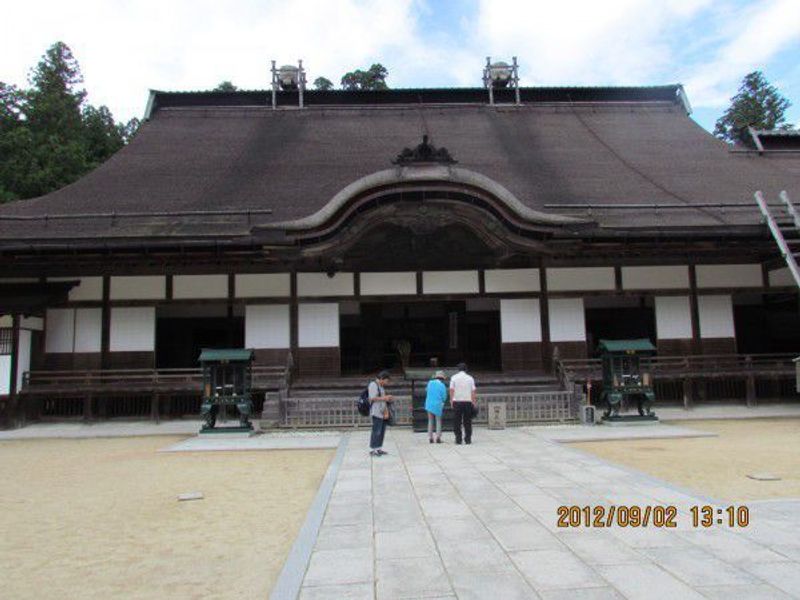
[
  {"x": 99, "y": 518},
  {"x": 718, "y": 466}
]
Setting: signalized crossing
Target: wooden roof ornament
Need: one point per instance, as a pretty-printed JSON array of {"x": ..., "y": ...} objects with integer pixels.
[{"x": 424, "y": 153}]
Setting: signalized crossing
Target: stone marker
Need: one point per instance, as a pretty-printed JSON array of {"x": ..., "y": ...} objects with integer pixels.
[
  {"x": 763, "y": 477},
  {"x": 190, "y": 496}
]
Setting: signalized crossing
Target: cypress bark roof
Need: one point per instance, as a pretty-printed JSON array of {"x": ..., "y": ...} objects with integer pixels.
[{"x": 562, "y": 146}]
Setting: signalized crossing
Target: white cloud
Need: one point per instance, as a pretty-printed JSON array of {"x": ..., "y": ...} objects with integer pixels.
[
  {"x": 585, "y": 43},
  {"x": 127, "y": 47},
  {"x": 763, "y": 30}
]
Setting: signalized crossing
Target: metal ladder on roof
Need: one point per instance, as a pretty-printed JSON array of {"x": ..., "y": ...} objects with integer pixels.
[{"x": 783, "y": 221}]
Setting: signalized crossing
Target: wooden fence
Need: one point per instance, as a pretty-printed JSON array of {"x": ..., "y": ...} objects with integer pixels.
[
  {"x": 521, "y": 408},
  {"x": 134, "y": 393},
  {"x": 746, "y": 378}
]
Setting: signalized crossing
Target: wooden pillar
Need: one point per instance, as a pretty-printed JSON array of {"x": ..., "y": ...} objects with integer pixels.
[
  {"x": 105, "y": 331},
  {"x": 688, "y": 393},
  {"x": 14, "y": 408},
  {"x": 154, "y": 412},
  {"x": 294, "y": 328},
  {"x": 544, "y": 312},
  {"x": 87, "y": 407},
  {"x": 750, "y": 382},
  {"x": 695, "y": 311}
]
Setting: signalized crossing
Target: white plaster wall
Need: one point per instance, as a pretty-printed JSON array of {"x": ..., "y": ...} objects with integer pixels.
[
  {"x": 716, "y": 317},
  {"x": 673, "y": 318},
  {"x": 450, "y": 282},
  {"x": 319, "y": 284},
  {"x": 318, "y": 325},
  {"x": 133, "y": 329},
  {"x": 512, "y": 280},
  {"x": 88, "y": 329},
  {"x": 6, "y": 321},
  {"x": 520, "y": 320},
  {"x": 90, "y": 288},
  {"x": 655, "y": 278},
  {"x": 138, "y": 287},
  {"x": 263, "y": 285},
  {"x": 266, "y": 326},
  {"x": 567, "y": 320},
  {"x": 5, "y": 374},
  {"x": 60, "y": 330},
  {"x": 24, "y": 362},
  {"x": 580, "y": 278},
  {"x": 34, "y": 323},
  {"x": 388, "y": 284},
  {"x": 199, "y": 286},
  {"x": 781, "y": 277},
  {"x": 722, "y": 276}
]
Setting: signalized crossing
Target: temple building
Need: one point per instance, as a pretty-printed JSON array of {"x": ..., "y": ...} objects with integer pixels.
[{"x": 503, "y": 226}]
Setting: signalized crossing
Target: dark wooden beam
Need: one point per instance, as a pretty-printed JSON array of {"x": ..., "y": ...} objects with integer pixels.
[
  {"x": 544, "y": 315},
  {"x": 694, "y": 310}
]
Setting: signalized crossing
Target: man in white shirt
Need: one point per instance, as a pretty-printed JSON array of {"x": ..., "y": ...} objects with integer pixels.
[{"x": 462, "y": 398}]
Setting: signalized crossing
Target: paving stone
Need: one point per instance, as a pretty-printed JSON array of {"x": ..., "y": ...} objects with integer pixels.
[
  {"x": 732, "y": 548},
  {"x": 526, "y": 534},
  {"x": 346, "y": 515},
  {"x": 456, "y": 530},
  {"x": 445, "y": 507},
  {"x": 397, "y": 521},
  {"x": 356, "y": 591},
  {"x": 506, "y": 511},
  {"x": 601, "y": 548},
  {"x": 480, "y": 586},
  {"x": 414, "y": 542},
  {"x": 411, "y": 578},
  {"x": 784, "y": 575},
  {"x": 742, "y": 592},
  {"x": 646, "y": 582},
  {"x": 697, "y": 567},
  {"x": 791, "y": 552},
  {"x": 474, "y": 556},
  {"x": 600, "y": 593},
  {"x": 336, "y": 567},
  {"x": 343, "y": 537},
  {"x": 554, "y": 569}
]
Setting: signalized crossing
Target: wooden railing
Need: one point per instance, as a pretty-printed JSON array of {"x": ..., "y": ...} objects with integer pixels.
[
  {"x": 135, "y": 381},
  {"x": 694, "y": 372},
  {"x": 522, "y": 408},
  {"x": 130, "y": 392}
]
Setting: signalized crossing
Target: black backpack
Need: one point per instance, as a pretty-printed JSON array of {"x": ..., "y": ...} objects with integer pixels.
[{"x": 363, "y": 404}]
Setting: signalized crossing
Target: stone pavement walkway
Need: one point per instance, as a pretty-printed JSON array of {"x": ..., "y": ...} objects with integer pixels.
[{"x": 479, "y": 521}]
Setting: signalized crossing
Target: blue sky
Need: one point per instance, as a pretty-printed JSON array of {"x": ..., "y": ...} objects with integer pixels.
[{"x": 126, "y": 47}]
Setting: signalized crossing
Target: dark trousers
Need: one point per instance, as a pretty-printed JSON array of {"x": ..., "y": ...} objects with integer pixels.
[
  {"x": 378, "y": 431},
  {"x": 462, "y": 414}
]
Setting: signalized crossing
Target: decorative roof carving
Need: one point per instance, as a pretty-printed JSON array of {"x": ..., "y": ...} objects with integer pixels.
[{"x": 424, "y": 153}]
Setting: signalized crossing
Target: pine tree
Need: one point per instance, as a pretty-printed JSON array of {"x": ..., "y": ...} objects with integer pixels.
[
  {"x": 758, "y": 105},
  {"x": 49, "y": 135},
  {"x": 323, "y": 83},
  {"x": 373, "y": 78}
]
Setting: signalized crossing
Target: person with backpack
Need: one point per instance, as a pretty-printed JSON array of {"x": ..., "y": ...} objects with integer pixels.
[
  {"x": 463, "y": 398},
  {"x": 379, "y": 410},
  {"x": 435, "y": 396}
]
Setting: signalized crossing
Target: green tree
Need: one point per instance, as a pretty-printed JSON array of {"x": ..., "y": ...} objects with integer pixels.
[
  {"x": 49, "y": 135},
  {"x": 758, "y": 105},
  {"x": 323, "y": 83},
  {"x": 225, "y": 86},
  {"x": 373, "y": 78}
]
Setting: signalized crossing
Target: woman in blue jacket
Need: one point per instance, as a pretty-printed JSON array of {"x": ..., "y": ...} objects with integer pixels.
[{"x": 436, "y": 394}]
